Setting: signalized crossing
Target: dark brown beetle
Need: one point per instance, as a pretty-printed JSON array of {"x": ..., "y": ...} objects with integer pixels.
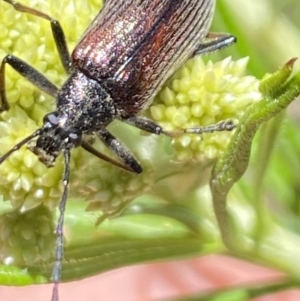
[{"x": 118, "y": 66}]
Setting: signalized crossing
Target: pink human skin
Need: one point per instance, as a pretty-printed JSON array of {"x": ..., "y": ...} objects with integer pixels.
[{"x": 158, "y": 281}]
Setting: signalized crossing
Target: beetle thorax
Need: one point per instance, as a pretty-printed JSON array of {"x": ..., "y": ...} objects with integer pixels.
[{"x": 85, "y": 104}]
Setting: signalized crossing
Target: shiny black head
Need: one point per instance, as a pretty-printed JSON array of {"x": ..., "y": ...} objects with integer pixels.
[{"x": 53, "y": 138}]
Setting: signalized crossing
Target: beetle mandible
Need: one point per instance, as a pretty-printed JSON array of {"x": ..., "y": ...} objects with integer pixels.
[{"x": 116, "y": 69}]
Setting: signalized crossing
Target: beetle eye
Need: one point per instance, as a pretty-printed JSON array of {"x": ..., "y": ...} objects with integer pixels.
[
  {"x": 75, "y": 139},
  {"x": 51, "y": 118}
]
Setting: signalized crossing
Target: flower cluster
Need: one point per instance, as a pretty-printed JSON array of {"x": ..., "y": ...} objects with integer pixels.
[
  {"x": 200, "y": 94},
  {"x": 197, "y": 94},
  {"x": 26, "y": 238}
]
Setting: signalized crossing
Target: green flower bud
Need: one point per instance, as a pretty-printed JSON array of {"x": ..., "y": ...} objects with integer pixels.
[
  {"x": 26, "y": 238},
  {"x": 200, "y": 94}
]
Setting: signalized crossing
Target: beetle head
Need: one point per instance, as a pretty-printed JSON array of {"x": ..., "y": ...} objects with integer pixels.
[{"x": 53, "y": 138}]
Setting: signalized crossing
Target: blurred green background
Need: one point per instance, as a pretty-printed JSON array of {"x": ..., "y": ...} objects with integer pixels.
[{"x": 268, "y": 31}]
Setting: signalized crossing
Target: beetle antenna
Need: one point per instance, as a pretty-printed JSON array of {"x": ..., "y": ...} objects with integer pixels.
[
  {"x": 19, "y": 145},
  {"x": 59, "y": 251}
]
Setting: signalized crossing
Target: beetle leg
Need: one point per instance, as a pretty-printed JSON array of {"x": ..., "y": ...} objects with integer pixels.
[
  {"x": 57, "y": 32},
  {"x": 215, "y": 41},
  {"x": 144, "y": 124},
  {"x": 130, "y": 163},
  {"x": 89, "y": 148},
  {"x": 225, "y": 125},
  {"x": 150, "y": 126},
  {"x": 28, "y": 72}
]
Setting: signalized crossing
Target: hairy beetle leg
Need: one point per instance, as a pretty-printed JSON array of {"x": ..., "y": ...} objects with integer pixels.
[
  {"x": 150, "y": 126},
  {"x": 57, "y": 32},
  {"x": 113, "y": 143},
  {"x": 215, "y": 41},
  {"x": 26, "y": 71}
]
